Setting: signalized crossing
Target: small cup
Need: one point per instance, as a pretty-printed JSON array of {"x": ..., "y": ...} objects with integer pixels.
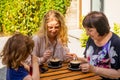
[
  {"x": 75, "y": 64},
  {"x": 55, "y": 62}
]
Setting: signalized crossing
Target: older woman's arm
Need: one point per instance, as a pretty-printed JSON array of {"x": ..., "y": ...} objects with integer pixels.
[
  {"x": 108, "y": 73},
  {"x": 105, "y": 72}
]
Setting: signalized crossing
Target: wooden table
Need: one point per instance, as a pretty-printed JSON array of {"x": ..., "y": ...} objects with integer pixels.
[{"x": 64, "y": 73}]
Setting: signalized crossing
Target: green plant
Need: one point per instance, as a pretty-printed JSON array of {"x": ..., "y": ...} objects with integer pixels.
[
  {"x": 83, "y": 38},
  {"x": 25, "y": 15},
  {"x": 116, "y": 29}
]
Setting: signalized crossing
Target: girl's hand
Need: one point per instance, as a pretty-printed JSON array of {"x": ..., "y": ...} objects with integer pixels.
[{"x": 34, "y": 58}]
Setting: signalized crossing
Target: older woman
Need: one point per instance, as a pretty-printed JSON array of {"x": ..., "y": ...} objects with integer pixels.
[{"x": 103, "y": 47}]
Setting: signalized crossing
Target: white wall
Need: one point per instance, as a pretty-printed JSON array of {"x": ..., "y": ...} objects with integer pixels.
[
  {"x": 85, "y": 7},
  {"x": 112, "y": 11},
  {"x": 72, "y": 15}
]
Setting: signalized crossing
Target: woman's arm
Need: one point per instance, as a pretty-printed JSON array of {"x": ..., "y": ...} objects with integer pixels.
[
  {"x": 105, "y": 72},
  {"x": 108, "y": 73}
]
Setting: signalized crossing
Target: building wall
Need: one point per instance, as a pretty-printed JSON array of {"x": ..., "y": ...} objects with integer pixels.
[
  {"x": 85, "y": 7},
  {"x": 72, "y": 15},
  {"x": 112, "y": 11}
]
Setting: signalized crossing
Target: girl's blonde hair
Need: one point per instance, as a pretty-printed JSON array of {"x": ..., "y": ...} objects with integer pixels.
[
  {"x": 62, "y": 36},
  {"x": 17, "y": 49}
]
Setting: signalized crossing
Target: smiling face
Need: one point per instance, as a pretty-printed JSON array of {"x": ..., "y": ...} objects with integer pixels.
[
  {"x": 92, "y": 32},
  {"x": 53, "y": 28}
]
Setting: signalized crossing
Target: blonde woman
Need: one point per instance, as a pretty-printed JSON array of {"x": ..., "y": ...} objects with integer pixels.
[{"x": 52, "y": 38}]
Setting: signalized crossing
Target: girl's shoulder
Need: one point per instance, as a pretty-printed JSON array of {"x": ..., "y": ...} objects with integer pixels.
[{"x": 14, "y": 74}]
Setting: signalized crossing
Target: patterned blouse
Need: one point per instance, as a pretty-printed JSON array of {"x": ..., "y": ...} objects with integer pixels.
[{"x": 107, "y": 56}]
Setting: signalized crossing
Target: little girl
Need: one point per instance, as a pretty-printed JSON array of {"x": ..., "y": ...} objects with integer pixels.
[{"x": 16, "y": 50}]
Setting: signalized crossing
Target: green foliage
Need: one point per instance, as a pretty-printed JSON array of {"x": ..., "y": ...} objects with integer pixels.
[
  {"x": 83, "y": 38},
  {"x": 25, "y": 15},
  {"x": 116, "y": 29}
]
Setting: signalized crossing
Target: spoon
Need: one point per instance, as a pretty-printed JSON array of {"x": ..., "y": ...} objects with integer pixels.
[{"x": 75, "y": 58}]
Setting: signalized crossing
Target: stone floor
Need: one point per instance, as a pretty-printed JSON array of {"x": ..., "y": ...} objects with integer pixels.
[{"x": 2, "y": 73}]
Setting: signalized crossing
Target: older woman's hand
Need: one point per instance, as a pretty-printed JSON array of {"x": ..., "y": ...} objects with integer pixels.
[{"x": 86, "y": 67}]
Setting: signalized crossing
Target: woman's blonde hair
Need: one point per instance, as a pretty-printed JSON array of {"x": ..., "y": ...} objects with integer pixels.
[
  {"x": 17, "y": 49},
  {"x": 62, "y": 36}
]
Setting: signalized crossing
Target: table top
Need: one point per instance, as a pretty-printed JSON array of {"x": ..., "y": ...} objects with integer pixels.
[{"x": 63, "y": 73}]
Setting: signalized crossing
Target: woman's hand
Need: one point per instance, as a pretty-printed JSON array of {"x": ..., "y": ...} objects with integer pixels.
[
  {"x": 70, "y": 56},
  {"x": 86, "y": 67},
  {"x": 47, "y": 54}
]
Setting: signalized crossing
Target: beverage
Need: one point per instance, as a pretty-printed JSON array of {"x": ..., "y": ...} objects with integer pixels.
[
  {"x": 75, "y": 63},
  {"x": 55, "y": 61}
]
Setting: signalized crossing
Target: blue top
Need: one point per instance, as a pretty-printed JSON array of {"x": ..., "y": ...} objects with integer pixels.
[
  {"x": 16, "y": 74},
  {"x": 107, "y": 56}
]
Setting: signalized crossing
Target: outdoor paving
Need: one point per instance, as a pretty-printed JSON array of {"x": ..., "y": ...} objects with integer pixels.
[{"x": 3, "y": 73}]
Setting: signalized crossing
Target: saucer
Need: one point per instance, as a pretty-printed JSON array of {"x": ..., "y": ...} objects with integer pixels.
[
  {"x": 73, "y": 69},
  {"x": 54, "y": 67},
  {"x": 42, "y": 69}
]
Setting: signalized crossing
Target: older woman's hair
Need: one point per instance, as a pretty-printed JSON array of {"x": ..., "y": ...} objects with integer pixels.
[
  {"x": 17, "y": 49},
  {"x": 62, "y": 36},
  {"x": 97, "y": 20}
]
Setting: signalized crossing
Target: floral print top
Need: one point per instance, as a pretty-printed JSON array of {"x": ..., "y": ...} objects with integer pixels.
[{"x": 107, "y": 56}]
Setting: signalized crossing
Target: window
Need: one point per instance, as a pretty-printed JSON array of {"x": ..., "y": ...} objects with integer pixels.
[{"x": 97, "y": 5}]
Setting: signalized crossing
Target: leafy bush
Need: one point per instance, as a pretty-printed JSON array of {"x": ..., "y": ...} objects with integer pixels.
[
  {"x": 25, "y": 15},
  {"x": 116, "y": 29},
  {"x": 83, "y": 38}
]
